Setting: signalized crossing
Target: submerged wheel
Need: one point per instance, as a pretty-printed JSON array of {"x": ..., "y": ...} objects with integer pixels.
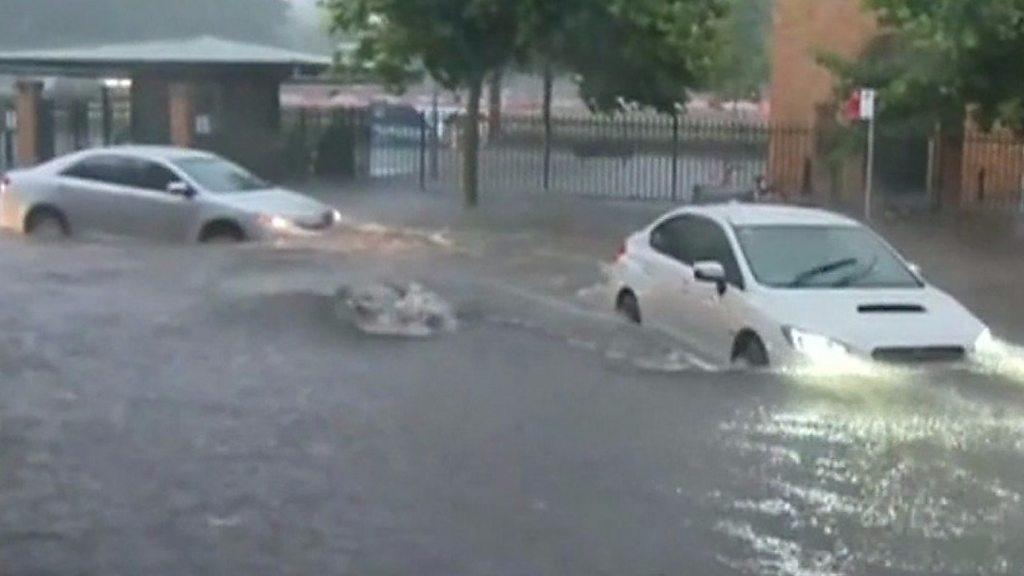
[
  {"x": 222, "y": 233},
  {"x": 46, "y": 224},
  {"x": 750, "y": 352},
  {"x": 628, "y": 307}
]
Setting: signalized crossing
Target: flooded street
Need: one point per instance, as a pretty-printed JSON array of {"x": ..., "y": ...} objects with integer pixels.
[{"x": 172, "y": 410}]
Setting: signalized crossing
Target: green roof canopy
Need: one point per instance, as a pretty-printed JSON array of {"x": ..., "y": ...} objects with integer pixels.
[{"x": 199, "y": 53}]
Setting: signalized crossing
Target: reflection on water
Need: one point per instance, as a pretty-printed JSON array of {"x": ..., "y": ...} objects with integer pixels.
[{"x": 903, "y": 477}]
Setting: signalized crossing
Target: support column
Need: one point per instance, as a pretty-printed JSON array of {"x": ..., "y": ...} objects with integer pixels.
[
  {"x": 29, "y": 102},
  {"x": 181, "y": 110}
]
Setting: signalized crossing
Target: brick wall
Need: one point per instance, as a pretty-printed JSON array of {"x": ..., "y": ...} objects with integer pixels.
[
  {"x": 992, "y": 171},
  {"x": 801, "y": 88},
  {"x": 802, "y": 28}
]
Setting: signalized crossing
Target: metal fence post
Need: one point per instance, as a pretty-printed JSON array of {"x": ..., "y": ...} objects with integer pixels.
[
  {"x": 675, "y": 156},
  {"x": 108, "y": 116},
  {"x": 435, "y": 136},
  {"x": 548, "y": 128},
  {"x": 423, "y": 151}
]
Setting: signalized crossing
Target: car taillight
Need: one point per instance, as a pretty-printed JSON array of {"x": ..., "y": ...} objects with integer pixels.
[{"x": 622, "y": 251}]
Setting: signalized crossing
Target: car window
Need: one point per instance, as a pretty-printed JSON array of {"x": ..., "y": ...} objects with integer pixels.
[
  {"x": 668, "y": 238},
  {"x": 153, "y": 176},
  {"x": 707, "y": 241},
  {"x": 219, "y": 176},
  {"x": 106, "y": 169}
]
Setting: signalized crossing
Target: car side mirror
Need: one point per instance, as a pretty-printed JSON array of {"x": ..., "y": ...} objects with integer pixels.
[
  {"x": 180, "y": 189},
  {"x": 711, "y": 272}
]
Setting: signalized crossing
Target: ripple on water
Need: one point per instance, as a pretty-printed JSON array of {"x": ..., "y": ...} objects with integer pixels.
[{"x": 841, "y": 490}]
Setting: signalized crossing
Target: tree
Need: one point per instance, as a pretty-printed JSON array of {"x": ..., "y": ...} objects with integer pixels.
[
  {"x": 458, "y": 42},
  {"x": 648, "y": 53},
  {"x": 943, "y": 59},
  {"x": 644, "y": 52},
  {"x": 494, "y": 97},
  {"x": 741, "y": 64}
]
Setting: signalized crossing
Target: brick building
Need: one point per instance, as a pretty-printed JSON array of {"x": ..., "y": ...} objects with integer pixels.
[
  {"x": 205, "y": 92},
  {"x": 979, "y": 170}
]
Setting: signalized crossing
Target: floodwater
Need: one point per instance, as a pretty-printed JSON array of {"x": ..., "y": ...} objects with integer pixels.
[{"x": 169, "y": 410}]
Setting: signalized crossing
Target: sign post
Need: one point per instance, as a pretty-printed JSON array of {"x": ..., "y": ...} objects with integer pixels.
[{"x": 865, "y": 100}]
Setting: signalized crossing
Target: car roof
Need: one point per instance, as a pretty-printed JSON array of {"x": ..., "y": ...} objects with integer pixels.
[
  {"x": 738, "y": 214},
  {"x": 146, "y": 152},
  {"x": 165, "y": 153}
]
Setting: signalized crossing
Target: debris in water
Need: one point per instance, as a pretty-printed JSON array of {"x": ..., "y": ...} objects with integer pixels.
[
  {"x": 225, "y": 522},
  {"x": 395, "y": 310}
]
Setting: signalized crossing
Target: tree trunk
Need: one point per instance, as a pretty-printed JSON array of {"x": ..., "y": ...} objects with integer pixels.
[
  {"x": 494, "y": 105},
  {"x": 471, "y": 146},
  {"x": 549, "y": 88}
]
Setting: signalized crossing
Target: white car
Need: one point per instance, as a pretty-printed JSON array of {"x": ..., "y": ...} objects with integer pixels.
[
  {"x": 157, "y": 192},
  {"x": 759, "y": 285}
]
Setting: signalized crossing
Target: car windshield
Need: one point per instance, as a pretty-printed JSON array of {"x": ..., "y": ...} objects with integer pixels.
[
  {"x": 800, "y": 257},
  {"x": 220, "y": 176}
]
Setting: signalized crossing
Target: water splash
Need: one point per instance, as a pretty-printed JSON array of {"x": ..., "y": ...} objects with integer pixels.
[{"x": 395, "y": 310}]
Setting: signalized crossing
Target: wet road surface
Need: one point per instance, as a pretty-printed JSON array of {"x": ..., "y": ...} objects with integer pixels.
[{"x": 172, "y": 410}]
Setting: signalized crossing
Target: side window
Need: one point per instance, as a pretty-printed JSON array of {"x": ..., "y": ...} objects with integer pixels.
[
  {"x": 106, "y": 169},
  {"x": 661, "y": 238},
  {"x": 709, "y": 242},
  {"x": 669, "y": 238},
  {"x": 88, "y": 169},
  {"x": 153, "y": 176}
]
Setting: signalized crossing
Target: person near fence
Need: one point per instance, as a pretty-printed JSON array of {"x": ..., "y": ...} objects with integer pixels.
[{"x": 766, "y": 194}]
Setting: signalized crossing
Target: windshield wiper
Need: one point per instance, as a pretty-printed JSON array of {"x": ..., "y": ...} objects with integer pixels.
[
  {"x": 851, "y": 279},
  {"x": 804, "y": 277}
]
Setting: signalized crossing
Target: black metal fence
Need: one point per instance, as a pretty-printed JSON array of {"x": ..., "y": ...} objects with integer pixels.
[
  {"x": 630, "y": 157},
  {"x": 653, "y": 157},
  {"x": 8, "y": 134}
]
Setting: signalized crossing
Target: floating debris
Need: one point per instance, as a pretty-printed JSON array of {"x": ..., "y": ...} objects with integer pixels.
[{"x": 396, "y": 310}]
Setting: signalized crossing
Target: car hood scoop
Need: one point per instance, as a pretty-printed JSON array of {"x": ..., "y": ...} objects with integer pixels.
[
  {"x": 866, "y": 319},
  {"x": 891, "y": 309}
]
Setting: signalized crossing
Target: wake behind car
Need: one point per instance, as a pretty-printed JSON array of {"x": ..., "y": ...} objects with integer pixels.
[
  {"x": 156, "y": 192},
  {"x": 760, "y": 285}
]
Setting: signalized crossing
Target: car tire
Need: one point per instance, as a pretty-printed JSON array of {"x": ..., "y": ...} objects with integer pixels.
[
  {"x": 627, "y": 306},
  {"x": 222, "y": 233},
  {"x": 751, "y": 353},
  {"x": 46, "y": 224}
]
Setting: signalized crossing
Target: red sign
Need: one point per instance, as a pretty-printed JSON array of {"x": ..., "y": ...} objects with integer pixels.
[{"x": 852, "y": 111}]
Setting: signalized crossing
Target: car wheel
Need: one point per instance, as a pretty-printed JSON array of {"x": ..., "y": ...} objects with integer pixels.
[
  {"x": 222, "y": 233},
  {"x": 46, "y": 224},
  {"x": 751, "y": 353},
  {"x": 628, "y": 307}
]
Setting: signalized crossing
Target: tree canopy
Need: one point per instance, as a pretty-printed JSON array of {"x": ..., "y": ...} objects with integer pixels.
[
  {"x": 648, "y": 53},
  {"x": 741, "y": 65},
  {"x": 943, "y": 59},
  {"x": 40, "y": 23}
]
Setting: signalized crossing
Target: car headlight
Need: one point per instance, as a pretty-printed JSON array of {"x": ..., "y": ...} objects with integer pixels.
[
  {"x": 275, "y": 222},
  {"x": 814, "y": 346},
  {"x": 335, "y": 216},
  {"x": 986, "y": 343}
]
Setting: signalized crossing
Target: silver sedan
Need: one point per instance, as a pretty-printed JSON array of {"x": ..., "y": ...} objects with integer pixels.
[{"x": 156, "y": 192}]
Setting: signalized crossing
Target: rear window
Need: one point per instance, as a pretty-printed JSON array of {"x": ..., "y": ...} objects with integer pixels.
[{"x": 107, "y": 169}]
